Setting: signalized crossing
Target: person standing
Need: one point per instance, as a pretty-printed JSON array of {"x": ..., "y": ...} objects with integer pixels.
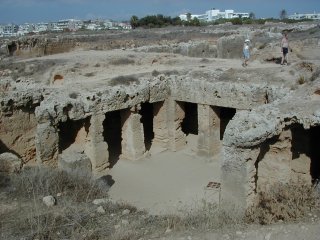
[
  {"x": 284, "y": 48},
  {"x": 246, "y": 52}
]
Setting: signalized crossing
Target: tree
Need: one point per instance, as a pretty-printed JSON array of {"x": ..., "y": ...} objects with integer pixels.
[
  {"x": 134, "y": 21},
  {"x": 188, "y": 17},
  {"x": 252, "y": 15},
  {"x": 283, "y": 14}
]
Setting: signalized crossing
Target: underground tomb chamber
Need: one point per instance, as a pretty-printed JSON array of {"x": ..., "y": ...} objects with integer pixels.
[{"x": 294, "y": 155}]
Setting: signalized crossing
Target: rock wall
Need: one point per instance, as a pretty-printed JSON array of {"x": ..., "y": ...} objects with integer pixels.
[
  {"x": 17, "y": 132},
  {"x": 264, "y": 146}
]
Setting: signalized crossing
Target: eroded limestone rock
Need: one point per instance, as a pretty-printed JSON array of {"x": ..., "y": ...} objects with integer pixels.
[{"x": 10, "y": 162}]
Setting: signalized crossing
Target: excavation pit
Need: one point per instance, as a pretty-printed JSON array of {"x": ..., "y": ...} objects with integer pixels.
[{"x": 193, "y": 122}]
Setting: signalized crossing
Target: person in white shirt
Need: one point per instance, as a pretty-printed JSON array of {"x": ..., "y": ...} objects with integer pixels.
[
  {"x": 284, "y": 48},
  {"x": 246, "y": 52}
]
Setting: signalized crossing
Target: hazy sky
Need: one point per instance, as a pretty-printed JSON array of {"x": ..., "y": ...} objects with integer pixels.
[{"x": 20, "y": 11}]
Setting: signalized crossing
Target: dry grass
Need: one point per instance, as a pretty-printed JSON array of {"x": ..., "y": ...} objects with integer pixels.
[
  {"x": 24, "y": 216},
  {"x": 42, "y": 181},
  {"x": 301, "y": 80},
  {"x": 90, "y": 74},
  {"x": 122, "y": 61},
  {"x": 76, "y": 217},
  {"x": 123, "y": 80},
  {"x": 285, "y": 202}
]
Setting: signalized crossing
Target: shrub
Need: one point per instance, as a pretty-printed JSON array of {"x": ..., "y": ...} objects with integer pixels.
[
  {"x": 301, "y": 80},
  {"x": 123, "y": 80},
  {"x": 283, "y": 202},
  {"x": 122, "y": 61},
  {"x": 90, "y": 74}
]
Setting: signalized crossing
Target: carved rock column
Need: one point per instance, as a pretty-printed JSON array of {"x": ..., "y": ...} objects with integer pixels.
[
  {"x": 47, "y": 144},
  {"x": 96, "y": 148},
  {"x": 175, "y": 116},
  {"x": 209, "y": 143},
  {"x": 133, "y": 146}
]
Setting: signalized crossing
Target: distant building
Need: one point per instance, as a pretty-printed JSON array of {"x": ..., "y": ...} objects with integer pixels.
[
  {"x": 301, "y": 16},
  {"x": 40, "y": 27},
  {"x": 9, "y": 30},
  {"x": 215, "y": 14},
  {"x": 69, "y": 24}
]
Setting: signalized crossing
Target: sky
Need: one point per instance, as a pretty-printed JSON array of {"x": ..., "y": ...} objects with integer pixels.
[{"x": 33, "y": 11}]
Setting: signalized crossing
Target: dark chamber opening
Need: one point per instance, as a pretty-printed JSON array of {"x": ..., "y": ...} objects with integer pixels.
[
  {"x": 147, "y": 122},
  {"x": 190, "y": 122},
  {"x": 306, "y": 141},
  {"x": 112, "y": 127},
  {"x": 226, "y": 114},
  {"x": 69, "y": 130},
  {"x": 315, "y": 153}
]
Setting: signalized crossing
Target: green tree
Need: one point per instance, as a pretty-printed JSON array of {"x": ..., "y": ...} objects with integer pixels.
[
  {"x": 195, "y": 22},
  {"x": 188, "y": 17},
  {"x": 252, "y": 15},
  {"x": 283, "y": 14},
  {"x": 134, "y": 21},
  {"x": 176, "y": 21}
]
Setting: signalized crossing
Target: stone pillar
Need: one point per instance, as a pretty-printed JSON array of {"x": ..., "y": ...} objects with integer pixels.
[
  {"x": 96, "y": 148},
  {"x": 160, "y": 122},
  {"x": 209, "y": 143},
  {"x": 47, "y": 144},
  {"x": 175, "y": 116},
  {"x": 133, "y": 146},
  {"x": 238, "y": 176}
]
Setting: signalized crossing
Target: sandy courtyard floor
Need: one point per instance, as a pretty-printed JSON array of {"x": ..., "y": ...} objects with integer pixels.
[{"x": 166, "y": 183}]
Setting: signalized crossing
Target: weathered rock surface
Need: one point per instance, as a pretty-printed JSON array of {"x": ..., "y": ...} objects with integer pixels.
[
  {"x": 49, "y": 201},
  {"x": 74, "y": 160},
  {"x": 10, "y": 163}
]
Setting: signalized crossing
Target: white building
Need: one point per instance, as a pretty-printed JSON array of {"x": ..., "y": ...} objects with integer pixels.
[
  {"x": 70, "y": 24},
  {"x": 300, "y": 16},
  {"x": 215, "y": 14},
  {"x": 93, "y": 27},
  {"x": 41, "y": 27}
]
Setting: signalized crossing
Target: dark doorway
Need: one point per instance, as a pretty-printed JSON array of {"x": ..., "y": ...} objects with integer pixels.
[
  {"x": 69, "y": 130},
  {"x": 112, "y": 127},
  {"x": 190, "y": 122},
  {"x": 315, "y": 153},
  {"x": 147, "y": 122},
  {"x": 226, "y": 114},
  {"x": 306, "y": 141}
]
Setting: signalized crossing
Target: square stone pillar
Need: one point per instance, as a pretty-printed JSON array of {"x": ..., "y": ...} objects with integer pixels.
[
  {"x": 133, "y": 146},
  {"x": 160, "y": 122},
  {"x": 175, "y": 116},
  {"x": 47, "y": 144},
  {"x": 96, "y": 148},
  {"x": 209, "y": 143}
]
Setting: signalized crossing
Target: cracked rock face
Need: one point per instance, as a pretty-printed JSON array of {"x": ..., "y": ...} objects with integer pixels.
[{"x": 262, "y": 120}]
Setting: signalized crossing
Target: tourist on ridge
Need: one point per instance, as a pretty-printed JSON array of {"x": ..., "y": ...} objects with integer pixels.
[
  {"x": 246, "y": 52},
  {"x": 284, "y": 48}
]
